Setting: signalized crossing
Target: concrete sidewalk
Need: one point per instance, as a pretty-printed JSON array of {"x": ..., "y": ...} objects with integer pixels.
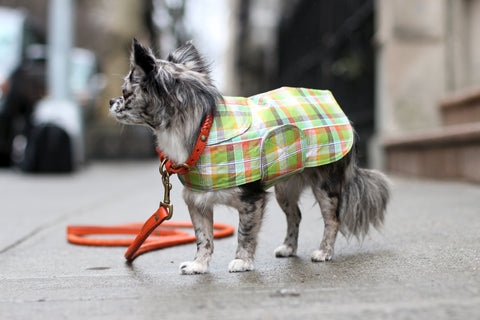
[{"x": 424, "y": 264}]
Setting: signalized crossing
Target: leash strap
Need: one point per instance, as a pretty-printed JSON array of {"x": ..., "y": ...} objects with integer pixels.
[{"x": 153, "y": 222}]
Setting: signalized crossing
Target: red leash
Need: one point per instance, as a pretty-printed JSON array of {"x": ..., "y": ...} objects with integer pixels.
[{"x": 150, "y": 236}]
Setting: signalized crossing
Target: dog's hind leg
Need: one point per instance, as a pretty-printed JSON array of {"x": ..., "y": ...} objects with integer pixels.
[
  {"x": 202, "y": 219},
  {"x": 287, "y": 194},
  {"x": 328, "y": 196},
  {"x": 251, "y": 206}
]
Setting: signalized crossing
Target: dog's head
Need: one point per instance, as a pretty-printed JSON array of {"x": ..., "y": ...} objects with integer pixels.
[{"x": 165, "y": 93}]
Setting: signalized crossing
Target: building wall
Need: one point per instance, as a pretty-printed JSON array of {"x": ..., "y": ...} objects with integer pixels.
[
  {"x": 410, "y": 64},
  {"x": 426, "y": 50},
  {"x": 463, "y": 51}
]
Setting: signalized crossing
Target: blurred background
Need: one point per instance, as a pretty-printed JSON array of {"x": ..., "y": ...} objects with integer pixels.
[{"x": 406, "y": 72}]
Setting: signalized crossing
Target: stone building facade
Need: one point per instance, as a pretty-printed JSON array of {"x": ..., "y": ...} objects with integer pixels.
[{"x": 428, "y": 87}]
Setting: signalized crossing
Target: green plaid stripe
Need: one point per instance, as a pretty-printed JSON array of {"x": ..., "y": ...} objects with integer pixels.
[{"x": 270, "y": 136}]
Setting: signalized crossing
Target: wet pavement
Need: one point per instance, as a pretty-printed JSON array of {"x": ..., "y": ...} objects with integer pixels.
[{"x": 424, "y": 263}]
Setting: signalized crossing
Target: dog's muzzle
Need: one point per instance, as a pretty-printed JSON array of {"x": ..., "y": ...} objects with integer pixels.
[{"x": 114, "y": 101}]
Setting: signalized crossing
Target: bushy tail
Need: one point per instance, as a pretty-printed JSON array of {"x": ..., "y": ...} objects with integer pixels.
[{"x": 364, "y": 200}]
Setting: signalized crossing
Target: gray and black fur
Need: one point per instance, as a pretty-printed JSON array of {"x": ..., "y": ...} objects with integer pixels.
[{"x": 173, "y": 96}]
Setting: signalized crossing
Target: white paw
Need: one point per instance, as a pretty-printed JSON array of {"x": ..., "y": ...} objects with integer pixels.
[
  {"x": 284, "y": 251},
  {"x": 239, "y": 265},
  {"x": 193, "y": 267},
  {"x": 322, "y": 256}
]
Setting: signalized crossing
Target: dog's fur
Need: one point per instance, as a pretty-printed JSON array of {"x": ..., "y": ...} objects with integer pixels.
[{"x": 173, "y": 96}]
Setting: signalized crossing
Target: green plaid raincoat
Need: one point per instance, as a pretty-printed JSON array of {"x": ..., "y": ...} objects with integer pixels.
[{"x": 269, "y": 137}]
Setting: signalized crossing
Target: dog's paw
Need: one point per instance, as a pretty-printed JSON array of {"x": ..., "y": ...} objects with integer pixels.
[
  {"x": 193, "y": 267},
  {"x": 322, "y": 255},
  {"x": 239, "y": 265},
  {"x": 284, "y": 251}
]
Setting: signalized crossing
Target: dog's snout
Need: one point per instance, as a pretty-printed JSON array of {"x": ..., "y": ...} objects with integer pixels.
[{"x": 112, "y": 102}]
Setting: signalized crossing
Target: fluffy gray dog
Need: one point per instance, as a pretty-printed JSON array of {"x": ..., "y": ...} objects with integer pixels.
[{"x": 173, "y": 97}]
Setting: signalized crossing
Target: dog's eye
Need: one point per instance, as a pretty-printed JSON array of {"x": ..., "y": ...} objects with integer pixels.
[{"x": 126, "y": 94}]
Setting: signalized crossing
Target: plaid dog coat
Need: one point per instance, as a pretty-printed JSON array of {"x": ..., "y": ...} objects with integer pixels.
[{"x": 269, "y": 137}]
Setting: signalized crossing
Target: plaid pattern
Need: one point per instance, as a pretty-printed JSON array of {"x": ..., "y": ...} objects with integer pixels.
[
  {"x": 269, "y": 137},
  {"x": 231, "y": 119},
  {"x": 282, "y": 153}
]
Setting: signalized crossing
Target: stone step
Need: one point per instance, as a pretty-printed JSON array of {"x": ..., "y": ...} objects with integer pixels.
[
  {"x": 452, "y": 152},
  {"x": 461, "y": 107}
]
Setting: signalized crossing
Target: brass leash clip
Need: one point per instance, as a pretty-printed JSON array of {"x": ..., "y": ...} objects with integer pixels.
[{"x": 167, "y": 186}]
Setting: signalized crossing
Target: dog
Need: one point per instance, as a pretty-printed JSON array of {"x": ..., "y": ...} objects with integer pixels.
[{"x": 173, "y": 97}]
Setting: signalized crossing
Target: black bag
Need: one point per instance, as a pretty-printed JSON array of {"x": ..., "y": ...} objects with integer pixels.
[{"x": 48, "y": 149}]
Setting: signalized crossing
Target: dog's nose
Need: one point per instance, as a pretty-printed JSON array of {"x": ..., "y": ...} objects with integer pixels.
[{"x": 112, "y": 102}]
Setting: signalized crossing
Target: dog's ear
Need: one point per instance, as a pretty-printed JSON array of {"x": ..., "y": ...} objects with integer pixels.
[
  {"x": 188, "y": 55},
  {"x": 142, "y": 57}
]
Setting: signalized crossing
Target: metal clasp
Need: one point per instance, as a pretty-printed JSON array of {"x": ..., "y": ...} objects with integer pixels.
[
  {"x": 167, "y": 186},
  {"x": 182, "y": 165}
]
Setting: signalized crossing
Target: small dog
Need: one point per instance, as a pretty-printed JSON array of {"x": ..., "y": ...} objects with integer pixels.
[{"x": 173, "y": 97}]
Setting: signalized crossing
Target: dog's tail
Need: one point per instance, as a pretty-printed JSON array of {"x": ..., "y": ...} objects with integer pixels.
[{"x": 364, "y": 200}]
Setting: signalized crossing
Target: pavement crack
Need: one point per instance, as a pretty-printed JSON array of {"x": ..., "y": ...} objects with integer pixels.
[{"x": 33, "y": 233}]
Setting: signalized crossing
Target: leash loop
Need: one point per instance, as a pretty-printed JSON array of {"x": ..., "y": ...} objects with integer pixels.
[{"x": 167, "y": 187}]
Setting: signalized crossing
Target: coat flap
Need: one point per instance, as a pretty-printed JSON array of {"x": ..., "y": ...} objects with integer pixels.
[{"x": 232, "y": 118}]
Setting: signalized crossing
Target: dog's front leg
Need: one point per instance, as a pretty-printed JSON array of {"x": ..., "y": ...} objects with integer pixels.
[
  {"x": 250, "y": 220},
  {"x": 202, "y": 219}
]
